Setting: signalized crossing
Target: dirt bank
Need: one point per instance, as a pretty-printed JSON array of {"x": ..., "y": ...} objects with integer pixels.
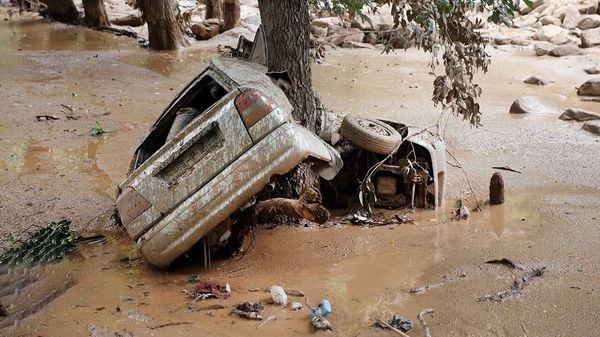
[{"x": 56, "y": 169}]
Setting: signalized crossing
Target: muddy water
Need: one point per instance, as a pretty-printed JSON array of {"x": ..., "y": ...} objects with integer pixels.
[{"x": 51, "y": 170}]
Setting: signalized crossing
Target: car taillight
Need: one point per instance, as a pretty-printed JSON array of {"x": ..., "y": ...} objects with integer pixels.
[
  {"x": 253, "y": 105},
  {"x": 130, "y": 205}
]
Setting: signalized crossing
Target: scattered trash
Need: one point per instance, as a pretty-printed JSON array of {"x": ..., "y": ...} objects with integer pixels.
[
  {"x": 421, "y": 290},
  {"x": 296, "y": 306},
  {"x": 377, "y": 219},
  {"x": 518, "y": 284},
  {"x": 279, "y": 296},
  {"x": 99, "y": 331},
  {"x": 208, "y": 290},
  {"x": 462, "y": 212},
  {"x": 398, "y": 322},
  {"x": 194, "y": 278},
  {"x": 97, "y": 130},
  {"x": 169, "y": 324},
  {"x": 422, "y": 320},
  {"x": 42, "y": 118},
  {"x": 385, "y": 324},
  {"x": 506, "y": 168},
  {"x": 48, "y": 244},
  {"x": 293, "y": 292},
  {"x": 318, "y": 314},
  {"x": 249, "y": 310},
  {"x": 136, "y": 316},
  {"x": 496, "y": 189},
  {"x": 254, "y": 289},
  {"x": 266, "y": 320}
]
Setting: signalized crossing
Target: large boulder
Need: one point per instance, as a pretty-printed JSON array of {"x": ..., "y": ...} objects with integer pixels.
[
  {"x": 542, "y": 48},
  {"x": 326, "y": 22},
  {"x": 355, "y": 35},
  {"x": 561, "y": 38},
  {"x": 589, "y": 22},
  {"x": 524, "y": 21},
  {"x": 580, "y": 115},
  {"x": 533, "y": 104},
  {"x": 590, "y": 88},
  {"x": 318, "y": 31},
  {"x": 545, "y": 33},
  {"x": 572, "y": 18},
  {"x": 590, "y": 37},
  {"x": 565, "y": 50}
]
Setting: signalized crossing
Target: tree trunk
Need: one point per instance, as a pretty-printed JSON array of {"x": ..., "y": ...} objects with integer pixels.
[
  {"x": 214, "y": 9},
  {"x": 62, "y": 10},
  {"x": 95, "y": 13},
  {"x": 231, "y": 14},
  {"x": 163, "y": 30},
  {"x": 287, "y": 30}
]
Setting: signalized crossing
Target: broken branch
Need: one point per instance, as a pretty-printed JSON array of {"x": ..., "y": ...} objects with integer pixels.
[{"x": 422, "y": 320}]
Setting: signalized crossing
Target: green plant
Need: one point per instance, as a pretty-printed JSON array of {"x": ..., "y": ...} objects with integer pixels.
[{"x": 97, "y": 130}]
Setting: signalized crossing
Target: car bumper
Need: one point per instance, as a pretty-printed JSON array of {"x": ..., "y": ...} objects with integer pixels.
[{"x": 276, "y": 154}]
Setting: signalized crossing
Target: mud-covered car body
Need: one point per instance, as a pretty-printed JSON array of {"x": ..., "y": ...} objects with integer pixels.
[{"x": 187, "y": 178}]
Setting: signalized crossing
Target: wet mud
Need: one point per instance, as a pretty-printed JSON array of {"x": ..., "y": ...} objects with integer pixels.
[{"x": 56, "y": 169}]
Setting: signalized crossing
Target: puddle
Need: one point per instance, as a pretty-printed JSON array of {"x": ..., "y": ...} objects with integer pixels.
[{"x": 31, "y": 159}]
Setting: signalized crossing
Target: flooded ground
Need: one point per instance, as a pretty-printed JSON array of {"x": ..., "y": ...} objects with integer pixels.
[{"x": 56, "y": 169}]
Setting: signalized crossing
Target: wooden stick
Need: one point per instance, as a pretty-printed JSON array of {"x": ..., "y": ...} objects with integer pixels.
[
  {"x": 392, "y": 328},
  {"x": 422, "y": 320},
  {"x": 266, "y": 320}
]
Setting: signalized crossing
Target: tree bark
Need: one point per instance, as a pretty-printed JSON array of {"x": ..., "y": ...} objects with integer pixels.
[
  {"x": 95, "y": 13},
  {"x": 164, "y": 32},
  {"x": 231, "y": 14},
  {"x": 286, "y": 26},
  {"x": 214, "y": 9},
  {"x": 62, "y": 10}
]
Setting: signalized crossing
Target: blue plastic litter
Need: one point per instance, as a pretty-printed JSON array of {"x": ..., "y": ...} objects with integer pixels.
[{"x": 321, "y": 310}]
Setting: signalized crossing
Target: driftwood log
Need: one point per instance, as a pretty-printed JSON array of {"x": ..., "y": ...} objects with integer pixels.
[{"x": 307, "y": 207}]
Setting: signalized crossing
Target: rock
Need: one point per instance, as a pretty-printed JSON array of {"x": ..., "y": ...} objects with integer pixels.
[
  {"x": 132, "y": 20},
  {"x": 296, "y": 306},
  {"x": 539, "y": 10},
  {"x": 593, "y": 128},
  {"x": 526, "y": 9},
  {"x": 580, "y": 115},
  {"x": 575, "y": 32},
  {"x": 533, "y": 104},
  {"x": 590, "y": 37},
  {"x": 354, "y": 35},
  {"x": 496, "y": 189},
  {"x": 524, "y": 21},
  {"x": 592, "y": 71},
  {"x": 326, "y": 22},
  {"x": 571, "y": 19},
  {"x": 354, "y": 44},
  {"x": 565, "y": 50},
  {"x": 537, "y": 80},
  {"x": 520, "y": 41},
  {"x": 550, "y": 20},
  {"x": 589, "y": 22},
  {"x": 593, "y": 7},
  {"x": 543, "y": 47},
  {"x": 384, "y": 27},
  {"x": 357, "y": 24},
  {"x": 561, "y": 38},
  {"x": 370, "y": 38},
  {"x": 206, "y": 30},
  {"x": 590, "y": 88},
  {"x": 545, "y": 33},
  {"x": 318, "y": 31},
  {"x": 502, "y": 40}
]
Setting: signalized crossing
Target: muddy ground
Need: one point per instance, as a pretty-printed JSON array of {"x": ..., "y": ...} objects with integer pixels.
[{"x": 56, "y": 169}]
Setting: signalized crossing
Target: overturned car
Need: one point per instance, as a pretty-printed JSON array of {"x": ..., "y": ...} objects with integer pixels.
[{"x": 229, "y": 132}]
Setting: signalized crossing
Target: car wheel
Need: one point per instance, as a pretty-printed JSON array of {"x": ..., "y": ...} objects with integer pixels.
[{"x": 371, "y": 135}]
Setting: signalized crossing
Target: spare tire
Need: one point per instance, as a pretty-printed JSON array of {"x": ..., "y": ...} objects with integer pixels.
[{"x": 370, "y": 134}]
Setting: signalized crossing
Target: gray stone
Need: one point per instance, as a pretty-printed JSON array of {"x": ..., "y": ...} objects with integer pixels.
[
  {"x": 296, "y": 306},
  {"x": 326, "y": 22},
  {"x": 571, "y": 19},
  {"x": 589, "y": 22},
  {"x": 318, "y": 31},
  {"x": 524, "y": 21},
  {"x": 565, "y": 50},
  {"x": 550, "y": 20},
  {"x": 580, "y": 115},
  {"x": 537, "y": 80},
  {"x": 354, "y": 35},
  {"x": 354, "y": 44},
  {"x": 592, "y": 128},
  {"x": 543, "y": 48},
  {"x": 592, "y": 71},
  {"x": 590, "y": 37},
  {"x": 561, "y": 38},
  {"x": 533, "y": 104},
  {"x": 590, "y": 88}
]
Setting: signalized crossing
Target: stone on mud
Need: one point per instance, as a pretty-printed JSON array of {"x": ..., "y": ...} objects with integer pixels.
[
  {"x": 496, "y": 189},
  {"x": 580, "y": 115},
  {"x": 545, "y": 33},
  {"x": 537, "y": 80},
  {"x": 565, "y": 50},
  {"x": 533, "y": 104},
  {"x": 543, "y": 48},
  {"x": 590, "y": 38},
  {"x": 590, "y": 88},
  {"x": 592, "y": 128},
  {"x": 592, "y": 71}
]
